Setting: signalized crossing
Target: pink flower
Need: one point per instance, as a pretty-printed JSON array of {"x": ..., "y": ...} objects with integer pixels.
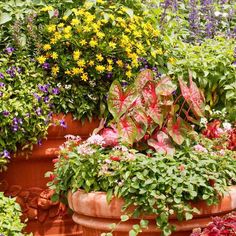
[
  {"x": 95, "y": 139},
  {"x": 110, "y": 136},
  {"x": 200, "y": 148}
]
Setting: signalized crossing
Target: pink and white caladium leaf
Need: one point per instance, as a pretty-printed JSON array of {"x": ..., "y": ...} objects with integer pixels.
[
  {"x": 193, "y": 97},
  {"x": 118, "y": 100},
  {"x": 155, "y": 112},
  {"x": 165, "y": 87},
  {"x": 127, "y": 130},
  {"x": 178, "y": 129},
  {"x": 141, "y": 121},
  {"x": 149, "y": 93},
  {"x": 162, "y": 144},
  {"x": 142, "y": 78}
]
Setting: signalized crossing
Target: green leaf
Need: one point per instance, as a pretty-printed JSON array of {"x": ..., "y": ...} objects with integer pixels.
[
  {"x": 124, "y": 218},
  {"x": 144, "y": 223},
  {"x": 132, "y": 233},
  {"x": 109, "y": 195},
  {"x": 4, "y": 18},
  {"x": 188, "y": 216}
]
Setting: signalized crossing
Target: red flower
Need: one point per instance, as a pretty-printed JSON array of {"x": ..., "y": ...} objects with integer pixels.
[
  {"x": 212, "y": 130},
  {"x": 181, "y": 167},
  {"x": 55, "y": 160},
  {"x": 52, "y": 177},
  {"x": 115, "y": 158},
  {"x": 232, "y": 140}
]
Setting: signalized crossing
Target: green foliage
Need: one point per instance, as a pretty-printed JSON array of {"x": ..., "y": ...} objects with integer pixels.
[
  {"x": 161, "y": 185},
  {"x": 10, "y": 212},
  {"x": 24, "y": 107}
]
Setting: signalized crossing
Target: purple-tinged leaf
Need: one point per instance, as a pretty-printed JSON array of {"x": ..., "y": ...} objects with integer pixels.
[
  {"x": 127, "y": 130},
  {"x": 178, "y": 129},
  {"x": 118, "y": 100},
  {"x": 162, "y": 144}
]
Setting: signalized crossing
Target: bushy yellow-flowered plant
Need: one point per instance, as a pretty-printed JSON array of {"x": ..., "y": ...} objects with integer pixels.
[{"x": 100, "y": 42}]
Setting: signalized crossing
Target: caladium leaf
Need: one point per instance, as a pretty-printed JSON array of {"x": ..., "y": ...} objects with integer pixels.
[
  {"x": 155, "y": 112},
  {"x": 141, "y": 122},
  {"x": 118, "y": 100},
  {"x": 149, "y": 93},
  {"x": 178, "y": 129},
  {"x": 193, "y": 97},
  {"x": 127, "y": 130},
  {"x": 142, "y": 78},
  {"x": 165, "y": 87},
  {"x": 162, "y": 144}
]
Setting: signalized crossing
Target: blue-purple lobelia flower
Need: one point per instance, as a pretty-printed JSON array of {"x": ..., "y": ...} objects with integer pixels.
[
  {"x": 6, "y": 154},
  {"x": 38, "y": 111},
  {"x": 109, "y": 75},
  {"x": 46, "y": 66},
  {"x": 63, "y": 123},
  {"x": 6, "y": 113},
  {"x": 43, "y": 88},
  {"x": 37, "y": 97},
  {"x": 2, "y": 76},
  {"x": 9, "y": 50},
  {"x": 2, "y": 84},
  {"x": 124, "y": 84},
  {"x": 55, "y": 91},
  {"x": 46, "y": 99},
  {"x": 194, "y": 19},
  {"x": 11, "y": 71},
  {"x": 1, "y": 93}
]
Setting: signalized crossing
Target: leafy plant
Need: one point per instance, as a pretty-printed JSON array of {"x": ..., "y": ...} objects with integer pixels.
[
  {"x": 148, "y": 111},
  {"x": 10, "y": 212},
  {"x": 153, "y": 183}
]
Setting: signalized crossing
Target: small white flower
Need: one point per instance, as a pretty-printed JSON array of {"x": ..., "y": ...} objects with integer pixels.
[
  {"x": 227, "y": 126},
  {"x": 225, "y": 15},
  {"x": 203, "y": 121},
  {"x": 68, "y": 86},
  {"x": 217, "y": 13}
]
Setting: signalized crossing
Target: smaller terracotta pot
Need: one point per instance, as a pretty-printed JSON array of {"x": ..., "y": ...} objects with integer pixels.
[
  {"x": 74, "y": 127},
  {"x": 94, "y": 214}
]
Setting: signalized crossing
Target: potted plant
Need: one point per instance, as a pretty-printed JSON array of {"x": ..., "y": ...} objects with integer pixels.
[{"x": 149, "y": 166}]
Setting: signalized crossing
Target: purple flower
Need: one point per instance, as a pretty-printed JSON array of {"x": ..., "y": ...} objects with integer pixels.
[
  {"x": 1, "y": 93},
  {"x": 5, "y": 113},
  {"x": 63, "y": 124},
  {"x": 2, "y": 76},
  {"x": 194, "y": 21},
  {"x": 37, "y": 96},
  {"x": 46, "y": 66},
  {"x": 11, "y": 71},
  {"x": 9, "y": 50},
  {"x": 6, "y": 154},
  {"x": 2, "y": 84},
  {"x": 124, "y": 83},
  {"x": 46, "y": 99},
  {"x": 55, "y": 91},
  {"x": 43, "y": 88},
  {"x": 109, "y": 75},
  {"x": 38, "y": 111},
  {"x": 39, "y": 142}
]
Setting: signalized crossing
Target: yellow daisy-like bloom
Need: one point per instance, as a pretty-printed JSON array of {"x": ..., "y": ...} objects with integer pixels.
[
  {"x": 47, "y": 8},
  {"x": 80, "y": 12},
  {"x": 159, "y": 51},
  {"x": 61, "y": 25},
  {"x": 110, "y": 62},
  {"x": 100, "y": 68},
  {"x": 86, "y": 28},
  {"x": 55, "y": 70},
  {"x": 51, "y": 28},
  {"x": 84, "y": 77},
  {"x": 120, "y": 63},
  {"x": 67, "y": 72},
  {"x": 109, "y": 68},
  {"x": 81, "y": 63},
  {"x": 75, "y": 71},
  {"x": 54, "y": 55},
  {"x": 53, "y": 40},
  {"x": 57, "y": 36},
  {"x": 75, "y": 22},
  {"x": 41, "y": 59},
  {"x": 101, "y": 1},
  {"x": 91, "y": 63},
  {"x": 83, "y": 42},
  {"x": 67, "y": 36},
  {"x": 67, "y": 29},
  {"x": 129, "y": 74},
  {"x": 172, "y": 60},
  {"x": 112, "y": 45},
  {"x": 100, "y": 35},
  {"x": 99, "y": 57},
  {"x": 76, "y": 55},
  {"x": 65, "y": 18},
  {"x": 137, "y": 34},
  {"x": 46, "y": 47},
  {"x": 93, "y": 43},
  {"x": 156, "y": 33}
]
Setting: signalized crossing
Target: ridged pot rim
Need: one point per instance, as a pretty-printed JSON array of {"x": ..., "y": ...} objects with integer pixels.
[{"x": 94, "y": 204}]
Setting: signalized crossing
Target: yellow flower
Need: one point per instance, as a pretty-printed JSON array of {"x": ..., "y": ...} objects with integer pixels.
[
  {"x": 100, "y": 68},
  {"x": 109, "y": 68},
  {"x": 137, "y": 34},
  {"x": 57, "y": 35},
  {"x": 67, "y": 36},
  {"x": 120, "y": 63},
  {"x": 100, "y": 35},
  {"x": 159, "y": 51},
  {"x": 41, "y": 59},
  {"x": 65, "y": 18},
  {"x": 75, "y": 22},
  {"x": 110, "y": 62},
  {"x": 53, "y": 40},
  {"x": 84, "y": 77},
  {"x": 81, "y": 63},
  {"x": 55, "y": 70},
  {"x": 83, "y": 42},
  {"x": 91, "y": 63},
  {"x": 75, "y": 71},
  {"x": 51, "y": 28},
  {"x": 172, "y": 60},
  {"x": 67, "y": 29},
  {"x": 76, "y": 55},
  {"x": 47, "y": 8},
  {"x": 67, "y": 72},
  {"x": 86, "y": 28},
  {"x": 129, "y": 74},
  {"x": 80, "y": 12},
  {"x": 99, "y": 57},
  {"x": 93, "y": 43},
  {"x": 61, "y": 25},
  {"x": 54, "y": 55},
  {"x": 112, "y": 16},
  {"x": 46, "y": 47},
  {"x": 112, "y": 45},
  {"x": 101, "y": 1},
  {"x": 156, "y": 33}
]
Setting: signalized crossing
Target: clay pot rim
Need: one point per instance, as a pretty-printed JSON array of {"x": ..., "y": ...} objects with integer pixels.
[{"x": 96, "y": 205}]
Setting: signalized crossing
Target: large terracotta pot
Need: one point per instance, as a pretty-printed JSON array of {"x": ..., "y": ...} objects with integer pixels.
[
  {"x": 25, "y": 180},
  {"x": 94, "y": 214}
]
